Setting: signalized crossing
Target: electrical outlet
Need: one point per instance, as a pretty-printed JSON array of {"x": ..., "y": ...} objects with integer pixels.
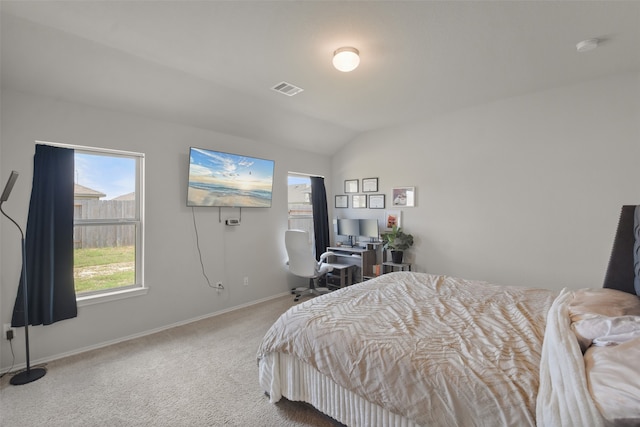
[
  {"x": 246, "y": 280},
  {"x": 7, "y": 331}
]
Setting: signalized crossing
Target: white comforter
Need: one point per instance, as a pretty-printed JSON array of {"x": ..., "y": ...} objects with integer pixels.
[
  {"x": 435, "y": 349},
  {"x": 563, "y": 397}
]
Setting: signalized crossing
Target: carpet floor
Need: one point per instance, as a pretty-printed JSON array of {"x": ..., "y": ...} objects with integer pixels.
[{"x": 200, "y": 374}]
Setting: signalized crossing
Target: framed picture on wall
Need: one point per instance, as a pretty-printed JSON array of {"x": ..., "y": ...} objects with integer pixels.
[
  {"x": 342, "y": 201},
  {"x": 392, "y": 218},
  {"x": 403, "y": 196},
  {"x": 359, "y": 201},
  {"x": 369, "y": 185},
  {"x": 376, "y": 201},
  {"x": 351, "y": 186}
]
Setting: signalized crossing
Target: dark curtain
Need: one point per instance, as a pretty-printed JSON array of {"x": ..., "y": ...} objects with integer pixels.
[
  {"x": 320, "y": 214},
  {"x": 49, "y": 241}
]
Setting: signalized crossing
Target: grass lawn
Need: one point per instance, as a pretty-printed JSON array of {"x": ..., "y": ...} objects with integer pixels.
[{"x": 103, "y": 268}]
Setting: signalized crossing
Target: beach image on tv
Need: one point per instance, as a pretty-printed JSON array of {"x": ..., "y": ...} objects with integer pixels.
[{"x": 223, "y": 179}]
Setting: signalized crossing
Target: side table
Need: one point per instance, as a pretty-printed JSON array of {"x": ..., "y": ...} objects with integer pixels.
[{"x": 388, "y": 267}]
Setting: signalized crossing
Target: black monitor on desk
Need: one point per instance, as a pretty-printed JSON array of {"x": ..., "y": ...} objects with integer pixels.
[
  {"x": 369, "y": 228},
  {"x": 358, "y": 228},
  {"x": 348, "y": 227}
]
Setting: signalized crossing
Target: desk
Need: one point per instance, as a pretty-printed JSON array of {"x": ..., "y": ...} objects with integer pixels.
[
  {"x": 363, "y": 259},
  {"x": 341, "y": 272}
]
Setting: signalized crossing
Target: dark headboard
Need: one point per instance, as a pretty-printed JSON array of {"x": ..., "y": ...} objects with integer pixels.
[{"x": 620, "y": 272}]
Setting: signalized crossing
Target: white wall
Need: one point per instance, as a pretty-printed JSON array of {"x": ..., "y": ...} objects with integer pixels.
[
  {"x": 177, "y": 289},
  {"x": 524, "y": 191}
]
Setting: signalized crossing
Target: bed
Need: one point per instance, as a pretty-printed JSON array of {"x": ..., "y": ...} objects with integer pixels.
[{"x": 414, "y": 349}]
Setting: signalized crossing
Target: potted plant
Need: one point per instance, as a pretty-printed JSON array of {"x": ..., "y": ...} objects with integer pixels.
[{"x": 397, "y": 241}]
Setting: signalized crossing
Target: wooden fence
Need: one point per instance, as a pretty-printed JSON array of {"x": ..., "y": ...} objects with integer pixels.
[{"x": 99, "y": 236}]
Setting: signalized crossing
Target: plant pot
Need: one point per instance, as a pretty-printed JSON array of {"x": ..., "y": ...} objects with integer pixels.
[{"x": 396, "y": 257}]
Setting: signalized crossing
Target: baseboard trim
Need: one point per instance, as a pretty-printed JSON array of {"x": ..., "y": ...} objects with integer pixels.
[{"x": 45, "y": 360}]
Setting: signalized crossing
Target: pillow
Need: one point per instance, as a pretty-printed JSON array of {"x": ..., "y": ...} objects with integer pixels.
[
  {"x": 612, "y": 377},
  {"x": 588, "y": 303},
  {"x": 603, "y": 330}
]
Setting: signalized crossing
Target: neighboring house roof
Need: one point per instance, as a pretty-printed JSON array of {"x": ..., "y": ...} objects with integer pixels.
[
  {"x": 299, "y": 193},
  {"x": 82, "y": 192},
  {"x": 128, "y": 196}
]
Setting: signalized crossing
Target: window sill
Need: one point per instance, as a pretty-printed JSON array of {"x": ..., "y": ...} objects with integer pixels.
[{"x": 110, "y": 296}]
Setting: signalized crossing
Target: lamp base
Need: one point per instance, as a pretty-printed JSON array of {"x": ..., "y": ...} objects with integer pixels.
[{"x": 28, "y": 376}]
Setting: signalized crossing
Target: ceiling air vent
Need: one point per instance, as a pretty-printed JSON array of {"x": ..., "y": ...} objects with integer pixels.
[{"x": 287, "y": 88}]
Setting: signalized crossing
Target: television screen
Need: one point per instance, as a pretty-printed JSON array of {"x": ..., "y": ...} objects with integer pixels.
[{"x": 229, "y": 180}]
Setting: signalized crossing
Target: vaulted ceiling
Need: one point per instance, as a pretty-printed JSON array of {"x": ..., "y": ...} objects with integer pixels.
[{"x": 212, "y": 64}]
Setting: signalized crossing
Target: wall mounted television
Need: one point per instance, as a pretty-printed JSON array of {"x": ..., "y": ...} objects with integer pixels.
[{"x": 229, "y": 180}]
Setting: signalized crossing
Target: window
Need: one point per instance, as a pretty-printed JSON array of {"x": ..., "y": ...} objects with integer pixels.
[
  {"x": 300, "y": 207},
  {"x": 108, "y": 222}
]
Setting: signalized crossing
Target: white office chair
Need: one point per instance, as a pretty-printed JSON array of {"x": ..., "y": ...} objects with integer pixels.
[{"x": 302, "y": 262}]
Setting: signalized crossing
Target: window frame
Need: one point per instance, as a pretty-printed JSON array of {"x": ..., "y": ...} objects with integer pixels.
[{"x": 139, "y": 287}]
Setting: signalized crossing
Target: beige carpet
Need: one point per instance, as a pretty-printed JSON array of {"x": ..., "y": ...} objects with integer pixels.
[{"x": 201, "y": 374}]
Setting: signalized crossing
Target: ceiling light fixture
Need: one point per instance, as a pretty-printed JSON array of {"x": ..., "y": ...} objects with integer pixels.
[
  {"x": 346, "y": 59},
  {"x": 587, "y": 45}
]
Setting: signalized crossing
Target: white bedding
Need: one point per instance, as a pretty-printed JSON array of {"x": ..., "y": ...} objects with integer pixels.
[
  {"x": 563, "y": 397},
  {"x": 298, "y": 381},
  {"x": 431, "y": 350}
]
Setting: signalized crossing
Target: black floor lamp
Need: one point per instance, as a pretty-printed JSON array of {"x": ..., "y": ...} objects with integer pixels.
[{"x": 28, "y": 375}]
